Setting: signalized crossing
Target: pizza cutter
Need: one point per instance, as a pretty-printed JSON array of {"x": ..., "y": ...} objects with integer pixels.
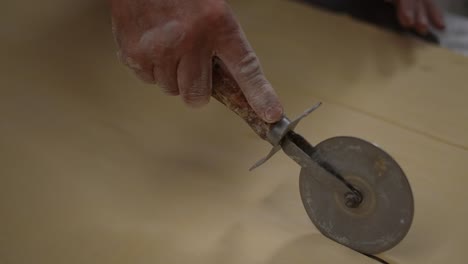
[{"x": 354, "y": 192}]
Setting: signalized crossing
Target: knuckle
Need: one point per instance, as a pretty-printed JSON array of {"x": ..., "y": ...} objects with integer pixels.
[
  {"x": 215, "y": 11},
  {"x": 136, "y": 63},
  {"x": 133, "y": 63},
  {"x": 249, "y": 68},
  {"x": 195, "y": 98},
  {"x": 167, "y": 89},
  {"x": 161, "y": 40},
  {"x": 130, "y": 58},
  {"x": 170, "y": 92}
]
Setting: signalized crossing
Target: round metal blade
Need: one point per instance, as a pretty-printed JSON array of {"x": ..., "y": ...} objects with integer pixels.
[{"x": 385, "y": 215}]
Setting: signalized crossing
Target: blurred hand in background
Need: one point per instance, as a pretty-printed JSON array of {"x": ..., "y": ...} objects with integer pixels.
[{"x": 419, "y": 15}]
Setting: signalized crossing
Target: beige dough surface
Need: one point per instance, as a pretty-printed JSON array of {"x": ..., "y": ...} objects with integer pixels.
[{"x": 96, "y": 167}]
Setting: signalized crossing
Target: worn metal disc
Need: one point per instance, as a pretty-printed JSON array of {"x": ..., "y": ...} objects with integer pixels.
[{"x": 385, "y": 215}]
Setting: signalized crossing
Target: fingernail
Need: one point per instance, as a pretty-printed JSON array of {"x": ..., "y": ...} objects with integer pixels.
[{"x": 273, "y": 114}]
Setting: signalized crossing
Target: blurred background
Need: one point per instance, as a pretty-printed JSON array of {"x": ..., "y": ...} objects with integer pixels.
[
  {"x": 96, "y": 167},
  {"x": 22, "y": 23},
  {"x": 382, "y": 14}
]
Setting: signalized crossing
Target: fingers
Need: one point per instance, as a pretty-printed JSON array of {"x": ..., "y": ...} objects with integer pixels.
[
  {"x": 172, "y": 45},
  {"x": 419, "y": 14},
  {"x": 158, "y": 46},
  {"x": 422, "y": 23},
  {"x": 162, "y": 72},
  {"x": 142, "y": 67},
  {"x": 405, "y": 12},
  {"x": 434, "y": 14},
  {"x": 243, "y": 64},
  {"x": 194, "y": 78},
  {"x": 165, "y": 75}
]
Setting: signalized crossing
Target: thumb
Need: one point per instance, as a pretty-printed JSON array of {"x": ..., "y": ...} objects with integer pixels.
[{"x": 240, "y": 60}]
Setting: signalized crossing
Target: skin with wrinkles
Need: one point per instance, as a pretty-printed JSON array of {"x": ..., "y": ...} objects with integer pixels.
[{"x": 173, "y": 42}]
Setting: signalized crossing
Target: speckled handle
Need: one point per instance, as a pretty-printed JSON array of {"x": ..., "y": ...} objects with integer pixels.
[{"x": 226, "y": 91}]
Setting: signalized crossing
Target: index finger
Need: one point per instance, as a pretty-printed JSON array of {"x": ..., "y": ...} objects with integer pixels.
[{"x": 241, "y": 61}]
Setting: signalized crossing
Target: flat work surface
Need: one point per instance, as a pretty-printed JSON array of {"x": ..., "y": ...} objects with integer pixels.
[{"x": 99, "y": 168}]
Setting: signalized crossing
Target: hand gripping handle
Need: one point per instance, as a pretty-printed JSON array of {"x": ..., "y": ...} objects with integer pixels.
[{"x": 227, "y": 91}]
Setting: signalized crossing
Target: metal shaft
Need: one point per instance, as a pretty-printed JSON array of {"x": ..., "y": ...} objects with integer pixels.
[{"x": 303, "y": 153}]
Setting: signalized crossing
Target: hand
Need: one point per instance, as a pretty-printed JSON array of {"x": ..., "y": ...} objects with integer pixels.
[
  {"x": 419, "y": 15},
  {"x": 172, "y": 43}
]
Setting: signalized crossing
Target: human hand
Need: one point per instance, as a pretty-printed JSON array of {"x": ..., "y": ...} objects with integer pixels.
[
  {"x": 172, "y": 43},
  {"x": 419, "y": 15}
]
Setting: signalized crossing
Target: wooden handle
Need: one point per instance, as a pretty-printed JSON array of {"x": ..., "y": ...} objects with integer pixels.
[{"x": 226, "y": 91}]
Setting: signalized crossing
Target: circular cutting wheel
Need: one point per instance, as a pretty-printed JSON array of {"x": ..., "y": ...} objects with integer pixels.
[{"x": 384, "y": 216}]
